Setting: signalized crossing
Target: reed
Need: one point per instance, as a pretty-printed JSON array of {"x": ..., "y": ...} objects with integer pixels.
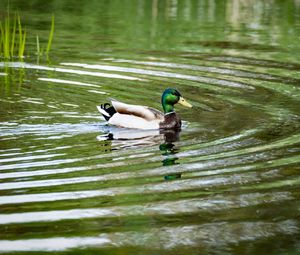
[
  {"x": 5, "y": 35},
  {"x": 22, "y": 38},
  {"x": 41, "y": 51},
  {"x": 50, "y": 36},
  {"x": 38, "y": 49},
  {"x": 13, "y": 38}
]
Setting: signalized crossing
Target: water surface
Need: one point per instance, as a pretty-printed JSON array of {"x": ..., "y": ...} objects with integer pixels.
[{"x": 228, "y": 183}]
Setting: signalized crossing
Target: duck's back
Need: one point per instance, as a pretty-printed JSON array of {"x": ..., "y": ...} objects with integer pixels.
[{"x": 145, "y": 112}]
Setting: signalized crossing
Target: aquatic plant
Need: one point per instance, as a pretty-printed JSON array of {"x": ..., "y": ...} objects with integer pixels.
[
  {"x": 13, "y": 38},
  {"x": 40, "y": 51},
  {"x": 50, "y": 36}
]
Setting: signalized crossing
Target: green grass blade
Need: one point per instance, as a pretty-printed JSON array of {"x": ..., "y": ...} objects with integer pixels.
[
  {"x": 19, "y": 30},
  {"x": 38, "y": 51},
  {"x": 50, "y": 36},
  {"x": 6, "y": 38},
  {"x": 13, "y": 37},
  {"x": 1, "y": 38},
  {"x": 22, "y": 46},
  {"x": 20, "y": 36}
]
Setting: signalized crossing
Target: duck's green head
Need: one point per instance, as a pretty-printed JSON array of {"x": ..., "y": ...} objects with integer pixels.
[{"x": 170, "y": 97}]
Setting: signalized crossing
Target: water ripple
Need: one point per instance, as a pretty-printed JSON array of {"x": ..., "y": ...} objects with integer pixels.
[
  {"x": 210, "y": 204},
  {"x": 163, "y": 74},
  {"x": 229, "y": 177},
  {"x": 207, "y": 235}
]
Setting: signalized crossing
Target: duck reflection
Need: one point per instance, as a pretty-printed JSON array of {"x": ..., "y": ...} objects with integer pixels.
[
  {"x": 129, "y": 138},
  {"x": 169, "y": 151}
]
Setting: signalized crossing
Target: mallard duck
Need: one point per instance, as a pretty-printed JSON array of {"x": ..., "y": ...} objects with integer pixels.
[{"x": 144, "y": 117}]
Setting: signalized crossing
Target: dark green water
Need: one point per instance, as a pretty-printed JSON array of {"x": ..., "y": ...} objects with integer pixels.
[{"x": 228, "y": 183}]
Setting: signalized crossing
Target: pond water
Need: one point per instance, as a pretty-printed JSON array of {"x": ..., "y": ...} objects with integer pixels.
[{"x": 228, "y": 183}]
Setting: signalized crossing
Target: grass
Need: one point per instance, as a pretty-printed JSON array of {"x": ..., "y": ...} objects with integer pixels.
[
  {"x": 50, "y": 36},
  {"x": 13, "y": 38},
  {"x": 40, "y": 51}
]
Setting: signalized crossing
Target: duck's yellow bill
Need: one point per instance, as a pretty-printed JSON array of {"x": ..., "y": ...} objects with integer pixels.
[{"x": 183, "y": 102}]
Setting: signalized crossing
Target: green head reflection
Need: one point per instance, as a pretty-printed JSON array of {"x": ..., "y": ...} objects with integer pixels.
[{"x": 169, "y": 151}]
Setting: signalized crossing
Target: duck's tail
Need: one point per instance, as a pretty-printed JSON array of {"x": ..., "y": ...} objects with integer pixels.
[{"x": 106, "y": 110}]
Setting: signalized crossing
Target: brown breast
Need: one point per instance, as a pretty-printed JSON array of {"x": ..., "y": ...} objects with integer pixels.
[{"x": 171, "y": 121}]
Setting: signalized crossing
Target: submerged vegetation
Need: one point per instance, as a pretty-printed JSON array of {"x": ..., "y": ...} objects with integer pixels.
[{"x": 13, "y": 38}]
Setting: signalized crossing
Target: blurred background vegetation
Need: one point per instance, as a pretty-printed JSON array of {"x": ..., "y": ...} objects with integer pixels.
[{"x": 158, "y": 25}]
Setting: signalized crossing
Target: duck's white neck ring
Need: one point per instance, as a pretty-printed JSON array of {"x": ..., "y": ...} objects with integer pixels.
[{"x": 169, "y": 113}]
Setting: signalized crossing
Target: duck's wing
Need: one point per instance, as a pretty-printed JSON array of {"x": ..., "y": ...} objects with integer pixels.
[{"x": 144, "y": 112}]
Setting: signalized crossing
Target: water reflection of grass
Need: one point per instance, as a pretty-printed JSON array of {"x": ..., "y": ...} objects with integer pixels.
[{"x": 13, "y": 38}]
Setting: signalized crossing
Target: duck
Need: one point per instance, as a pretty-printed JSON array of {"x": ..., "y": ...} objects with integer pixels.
[{"x": 143, "y": 117}]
